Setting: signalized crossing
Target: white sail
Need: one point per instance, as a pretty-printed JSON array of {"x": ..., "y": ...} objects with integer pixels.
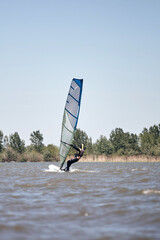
[{"x": 70, "y": 117}]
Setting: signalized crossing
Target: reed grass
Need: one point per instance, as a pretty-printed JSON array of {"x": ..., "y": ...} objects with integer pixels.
[{"x": 101, "y": 158}]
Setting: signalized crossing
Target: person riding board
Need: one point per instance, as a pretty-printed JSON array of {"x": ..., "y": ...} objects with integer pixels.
[{"x": 78, "y": 155}]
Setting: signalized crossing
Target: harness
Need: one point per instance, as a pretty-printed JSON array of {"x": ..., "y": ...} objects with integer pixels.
[{"x": 80, "y": 153}]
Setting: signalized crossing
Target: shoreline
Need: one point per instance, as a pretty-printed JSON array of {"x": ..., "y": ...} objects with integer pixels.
[{"x": 95, "y": 158}]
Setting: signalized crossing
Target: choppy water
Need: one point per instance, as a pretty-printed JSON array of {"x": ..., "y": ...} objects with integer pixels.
[{"x": 97, "y": 201}]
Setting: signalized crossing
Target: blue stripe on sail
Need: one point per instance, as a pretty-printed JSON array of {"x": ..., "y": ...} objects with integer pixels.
[
  {"x": 70, "y": 113},
  {"x": 80, "y": 84},
  {"x": 73, "y": 98},
  {"x": 78, "y": 81}
]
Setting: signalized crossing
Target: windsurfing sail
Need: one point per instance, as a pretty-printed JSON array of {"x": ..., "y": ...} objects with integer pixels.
[{"x": 70, "y": 117}]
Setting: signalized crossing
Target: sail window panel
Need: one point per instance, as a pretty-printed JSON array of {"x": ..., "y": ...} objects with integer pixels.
[
  {"x": 72, "y": 106},
  {"x": 67, "y": 136},
  {"x": 67, "y": 122},
  {"x": 64, "y": 149},
  {"x": 73, "y": 120},
  {"x": 75, "y": 91},
  {"x": 63, "y": 152}
]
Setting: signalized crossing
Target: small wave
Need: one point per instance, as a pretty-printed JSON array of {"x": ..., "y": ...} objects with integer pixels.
[
  {"x": 144, "y": 180},
  {"x": 139, "y": 169},
  {"x": 151, "y": 191},
  {"x": 83, "y": 171},
  {"x": 120, "y": 189},
  {"x": 49, "y": 170}
]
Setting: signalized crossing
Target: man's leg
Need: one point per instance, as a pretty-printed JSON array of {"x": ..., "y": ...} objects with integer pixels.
[{"x": 70, "y": 162}]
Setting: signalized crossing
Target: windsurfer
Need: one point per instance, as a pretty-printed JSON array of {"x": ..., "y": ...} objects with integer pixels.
[{"x": 78, "y": 155}]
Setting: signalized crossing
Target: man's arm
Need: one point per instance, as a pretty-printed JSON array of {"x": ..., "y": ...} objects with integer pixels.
[
  {"x": 77, "y": 149},
  {"x": 72, "y": 146}
]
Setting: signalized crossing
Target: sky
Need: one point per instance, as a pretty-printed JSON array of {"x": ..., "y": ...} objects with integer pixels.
[{"x": 114, "y": 45}]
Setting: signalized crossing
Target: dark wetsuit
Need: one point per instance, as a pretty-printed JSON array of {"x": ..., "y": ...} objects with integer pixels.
[{"x": 78, "y": 155}]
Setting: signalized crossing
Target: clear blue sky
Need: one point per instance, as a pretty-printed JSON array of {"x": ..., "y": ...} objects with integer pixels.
[{"x": 114, "y": 45}]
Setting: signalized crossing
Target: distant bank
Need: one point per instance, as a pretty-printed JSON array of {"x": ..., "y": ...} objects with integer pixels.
[
  {"x": 119, "y": 159},
  {"x": 12, "y": 156}
]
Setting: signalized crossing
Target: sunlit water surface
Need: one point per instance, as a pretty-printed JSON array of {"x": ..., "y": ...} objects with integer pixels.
[{"x": 93, "y": 201}]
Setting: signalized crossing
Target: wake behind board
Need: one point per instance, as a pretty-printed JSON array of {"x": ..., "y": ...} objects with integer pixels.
[{"x": 53, "y": 168}]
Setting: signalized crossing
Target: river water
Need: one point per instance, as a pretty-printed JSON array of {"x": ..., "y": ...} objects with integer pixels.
[{"x": 95, "y": 201}]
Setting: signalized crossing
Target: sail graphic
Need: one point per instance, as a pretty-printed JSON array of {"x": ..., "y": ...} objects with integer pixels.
[{"x": 70, "y": 117}]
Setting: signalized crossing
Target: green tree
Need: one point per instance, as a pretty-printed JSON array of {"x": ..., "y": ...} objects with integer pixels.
[
  {"x": 6, "y": 142},
  {"x": 124, "y": 143},
  {"x": 1, "y": 141},
  {"x": 145, "y": 141},
  {"x": 154, "y": 132},
  {"x": 150, "y": 140},
  {"x": 131, "y": 144},
  {"x": 51, "y": 153},
  {"x": 118, "y": 140},
  {"x": 37, "y": 140},
  {"x": 10, "y": 155},
  {"x": 89, "y": 146},
  {"x": 16, "y": 143},
  {"x": 103, "y": 146}
]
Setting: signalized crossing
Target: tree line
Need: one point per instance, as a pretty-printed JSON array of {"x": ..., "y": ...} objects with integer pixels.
[
  {"x": 13, "y": 148},
  {"x": 120, "y": 143}
]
